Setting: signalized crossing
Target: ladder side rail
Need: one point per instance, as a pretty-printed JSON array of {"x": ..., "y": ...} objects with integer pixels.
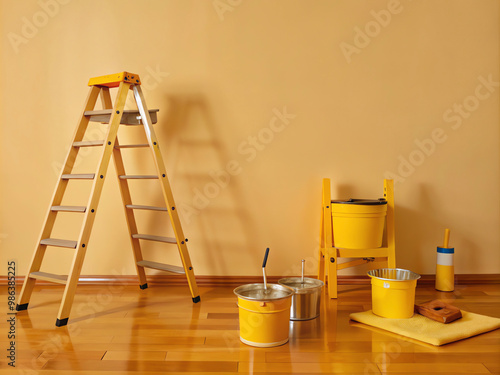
[
  {"x": 126, "y": 197},
  {"x": 166, "y": 190},
  {"x": 56, "y": 200},
  {"x": 106, "y": 101},
  {"x": 88, "y": 221}
]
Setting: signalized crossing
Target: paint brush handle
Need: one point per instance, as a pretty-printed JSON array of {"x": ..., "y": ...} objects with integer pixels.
[
  {"x": 446, "y": 238},
  {"x": 264, "y": 270},
  {"x": 265, "y": 258}
]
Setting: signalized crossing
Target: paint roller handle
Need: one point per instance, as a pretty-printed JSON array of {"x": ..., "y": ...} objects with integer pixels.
[
  {"x": 446, "y": 238},
  {"x": 265, "y": 258}
]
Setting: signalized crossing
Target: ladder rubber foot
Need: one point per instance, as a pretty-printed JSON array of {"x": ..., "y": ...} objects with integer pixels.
[
  {"x": 143, "y": 286},
  {"x": 62, "y": 322},
  {"x": 22, "y": 307},
  {"x": 196, "y": 299}
]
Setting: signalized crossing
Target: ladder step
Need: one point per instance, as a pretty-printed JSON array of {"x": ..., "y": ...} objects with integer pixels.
[
  {"x": 85, "y": 176},
  {"x": 59, "y": 279},
  {"x": 153, "y": 208},
  {"x": 138, "y": 177},
  {"x": 154, "y": 238},
  {"x": 69, "y": 208},
  {"x": 129, "y": 117},
  {"x": 133, "y": 146},
  {"x": 59, "y": 243},
  {"x": 161, "y": 266},
  {"x": 88, "y": 143}
]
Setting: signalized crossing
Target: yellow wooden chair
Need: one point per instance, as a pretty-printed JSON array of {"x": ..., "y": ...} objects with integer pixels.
[{"x": 327, "y": 248}]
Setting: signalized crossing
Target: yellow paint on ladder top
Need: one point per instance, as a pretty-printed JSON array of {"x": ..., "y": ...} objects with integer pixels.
[{"x": 113, "y": 80}]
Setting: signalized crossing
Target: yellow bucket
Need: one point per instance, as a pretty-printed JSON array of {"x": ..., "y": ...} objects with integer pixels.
[
  {"x": 358, "y": 223},
  {"x": 264, "y": 316},
  {"x": 393, "y": 292}
]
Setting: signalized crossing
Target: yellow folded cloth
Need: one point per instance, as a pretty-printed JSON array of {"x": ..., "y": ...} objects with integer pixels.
[{"x": 427, "y": 330}]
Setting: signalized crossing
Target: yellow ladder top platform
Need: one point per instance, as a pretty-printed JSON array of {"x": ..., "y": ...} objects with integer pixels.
[{"x": 113, "y": 80}]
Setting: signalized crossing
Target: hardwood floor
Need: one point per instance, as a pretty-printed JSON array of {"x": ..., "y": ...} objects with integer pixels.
[{"x": 119, "y": 329}]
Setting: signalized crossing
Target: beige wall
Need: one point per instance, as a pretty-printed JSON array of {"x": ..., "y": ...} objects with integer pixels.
[{"x": 363, "y": 84}]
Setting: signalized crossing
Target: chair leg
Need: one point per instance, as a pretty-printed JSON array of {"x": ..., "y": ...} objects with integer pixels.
[
  {"x": 332, "y": 272},
  {"x": 321, "y": 266}
]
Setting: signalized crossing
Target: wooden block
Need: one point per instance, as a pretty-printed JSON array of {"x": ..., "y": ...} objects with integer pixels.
[{"x": 439, "y": 311}]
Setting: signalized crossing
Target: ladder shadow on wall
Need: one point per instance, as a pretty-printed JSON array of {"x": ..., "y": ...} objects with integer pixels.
[{"x": 211, "y": 202}]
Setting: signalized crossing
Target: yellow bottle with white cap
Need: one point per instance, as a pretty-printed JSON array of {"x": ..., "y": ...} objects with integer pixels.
[{"x": 445, "y": 270}]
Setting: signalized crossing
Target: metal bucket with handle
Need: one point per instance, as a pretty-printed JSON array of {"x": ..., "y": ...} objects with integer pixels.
[{"x": 306, "y": 298}]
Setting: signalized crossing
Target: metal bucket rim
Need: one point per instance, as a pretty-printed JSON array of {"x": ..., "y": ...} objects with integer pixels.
[
  {"x": 412, "y": 275},
  {"x": 305, "y": 290},
  {"x": 260, "y": 286}
]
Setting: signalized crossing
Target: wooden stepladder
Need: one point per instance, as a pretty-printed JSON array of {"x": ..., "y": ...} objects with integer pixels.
[
  {"x": 114, "y": 115},
  {"x": 327, "y": 249}
]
